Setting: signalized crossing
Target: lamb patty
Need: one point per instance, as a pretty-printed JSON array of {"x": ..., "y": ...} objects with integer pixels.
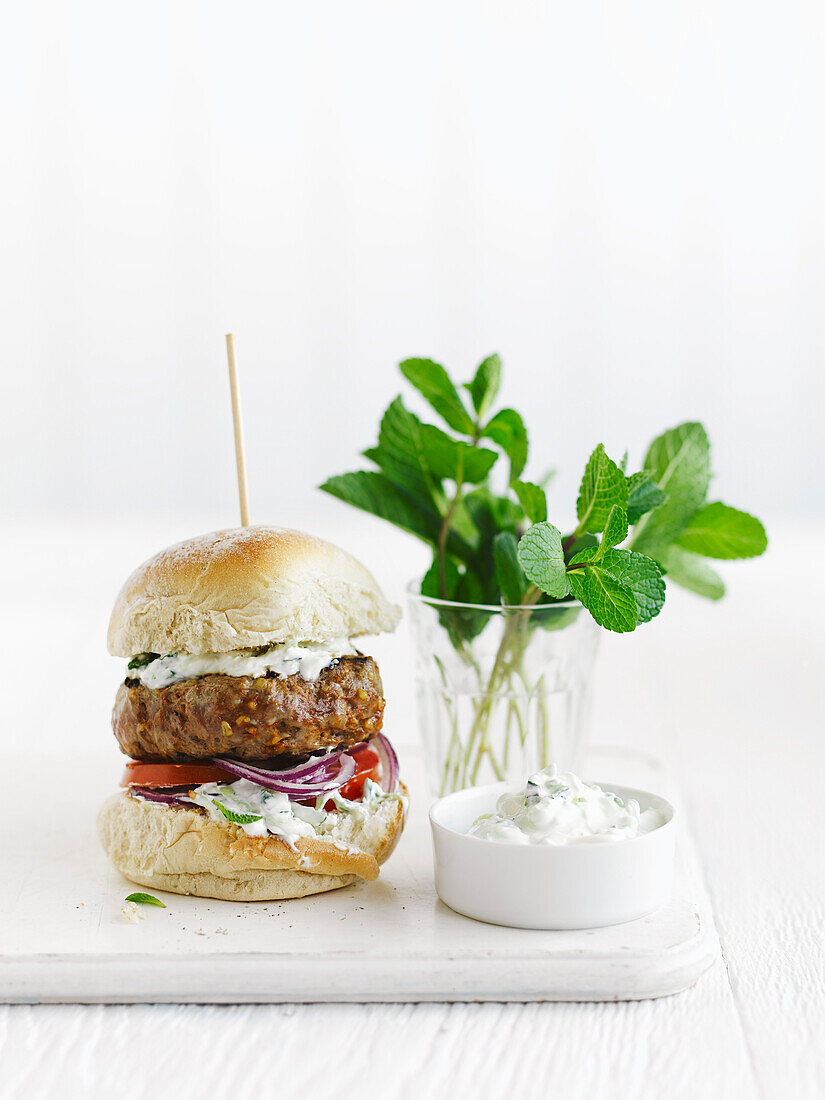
[{"x": 250, "y": 718}]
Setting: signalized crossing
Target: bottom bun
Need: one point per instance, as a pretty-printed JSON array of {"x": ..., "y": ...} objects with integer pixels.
[{"x": 183, "y": 850}]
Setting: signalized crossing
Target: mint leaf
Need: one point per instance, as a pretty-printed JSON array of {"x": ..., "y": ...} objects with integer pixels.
[
  {"x": 491, "y": 513},
  {"x": 679, "y": 462},
  {"x": 642, "y": 575},
  {"x": 435, "y": 385},
  {"x": 584, "y": 542},
  {"x": 554, "y": 618},
  {"x": 643, "y": 495},
  {"x": 541, "y": 557},
  {"x": 140, "y": 660},
  {"x": 463, "y": 528},
  {"x": 461, "y": 623},
  {"x": 509, "y": 574},
  {"x": 484, "y": 387},
  {"x": 692, "y": 572},
  {"x": 533, "y": 500},
  {"x": 508, "y": 431},
  {"x": 431, "y": 581},
  {"x": 603, "y": 485},
  {"x": 611, "y": 603},
  {"x": 399, "y": 454},
  {"x": 374, "y": 493},
  {"x": 146, "y": 899},
  {"x": 452, "y": 458},
  {"x": 718, "y": 531},
  {"x": 615, "y": 530},
  {"x": 238, "y": 819}
]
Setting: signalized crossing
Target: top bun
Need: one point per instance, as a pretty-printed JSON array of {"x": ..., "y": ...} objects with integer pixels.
[{"x": 245, "y": 587}]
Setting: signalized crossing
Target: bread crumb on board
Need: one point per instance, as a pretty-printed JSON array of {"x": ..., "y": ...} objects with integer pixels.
[{"x": 131, "y": 914}]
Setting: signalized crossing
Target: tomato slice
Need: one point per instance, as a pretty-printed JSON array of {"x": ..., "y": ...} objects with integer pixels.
[
  {"x": 173, "y": 775},
  {"x": 367, "y": 766},
  {"x": 367, "y": 763}
]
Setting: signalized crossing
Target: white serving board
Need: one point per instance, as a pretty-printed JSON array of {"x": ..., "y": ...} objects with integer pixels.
[{"x": 63, "y": 938}]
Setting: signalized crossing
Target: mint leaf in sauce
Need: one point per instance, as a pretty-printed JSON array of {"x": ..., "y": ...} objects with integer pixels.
[{"x": 237, "y": 819}]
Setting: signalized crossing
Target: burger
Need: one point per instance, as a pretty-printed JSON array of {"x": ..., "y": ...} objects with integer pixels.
[{"x": 258, "y": 769}]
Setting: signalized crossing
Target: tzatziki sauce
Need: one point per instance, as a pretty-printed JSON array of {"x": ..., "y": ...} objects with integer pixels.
[
  {"x": 307, "y": 660},
  {"x": 258, "y": 811},
  {"x": 559, "y": 808},
  {"x": 261, "y": 812}
]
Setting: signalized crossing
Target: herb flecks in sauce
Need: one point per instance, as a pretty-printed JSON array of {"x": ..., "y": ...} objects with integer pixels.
[{"x": 561, "y": 809}]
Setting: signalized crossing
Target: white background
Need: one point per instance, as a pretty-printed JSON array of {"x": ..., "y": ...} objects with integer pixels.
[{"x": 625, "y": 200}]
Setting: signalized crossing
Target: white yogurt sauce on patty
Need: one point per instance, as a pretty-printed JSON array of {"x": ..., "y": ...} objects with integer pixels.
[
  {"x": 560, "y": 809},
  {"x": 307, "y": 660}
]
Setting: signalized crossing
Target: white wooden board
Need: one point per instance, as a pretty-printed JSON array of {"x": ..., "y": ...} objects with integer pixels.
[{"x": 63, "y": 938}]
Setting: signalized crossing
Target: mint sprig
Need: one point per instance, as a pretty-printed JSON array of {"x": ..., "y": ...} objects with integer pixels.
[{"x": 458, "y": 486}]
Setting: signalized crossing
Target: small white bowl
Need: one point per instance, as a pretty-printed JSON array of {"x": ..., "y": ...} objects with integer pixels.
[{"x": 546, "y": 886}]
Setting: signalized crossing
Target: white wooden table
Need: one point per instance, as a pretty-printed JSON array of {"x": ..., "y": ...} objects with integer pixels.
[{"x": 730, "y": 695}]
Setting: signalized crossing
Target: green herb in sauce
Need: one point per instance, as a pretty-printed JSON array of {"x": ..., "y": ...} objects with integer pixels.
[{"x": 237, "y": 819}]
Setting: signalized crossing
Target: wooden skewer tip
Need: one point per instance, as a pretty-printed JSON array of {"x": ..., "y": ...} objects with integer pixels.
[{"x": 237, "y": 424}]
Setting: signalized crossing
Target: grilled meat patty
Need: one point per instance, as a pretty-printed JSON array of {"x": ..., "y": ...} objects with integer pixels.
[{"x": 250, "y": 718}]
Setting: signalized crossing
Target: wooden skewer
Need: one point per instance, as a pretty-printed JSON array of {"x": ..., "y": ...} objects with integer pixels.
[{"x": 237, "y": 421}]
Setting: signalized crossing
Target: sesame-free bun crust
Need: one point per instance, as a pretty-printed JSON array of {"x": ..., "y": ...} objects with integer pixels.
[
  {"x": 245, "y": 587},
  {"x": 182, "y": 850}
]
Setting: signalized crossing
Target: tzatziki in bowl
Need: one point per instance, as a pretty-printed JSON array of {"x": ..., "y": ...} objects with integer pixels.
[{"x": 561, "y": 853}]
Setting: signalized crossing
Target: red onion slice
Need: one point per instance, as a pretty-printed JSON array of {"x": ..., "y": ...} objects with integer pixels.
[
  {"x": 309, "y": 767},
  {"x": 317, "y": 768},
  {"x": 319, "y": 781},
  {"x": 389, "y": 763},
  {"x": 178, "y": 798},
  {"x": 318, "y": 776}
]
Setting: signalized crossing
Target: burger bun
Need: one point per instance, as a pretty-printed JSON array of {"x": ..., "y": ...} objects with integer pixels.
[
  {"x": 181, "y": 849},
  {"x": 246, "y": 587}
]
